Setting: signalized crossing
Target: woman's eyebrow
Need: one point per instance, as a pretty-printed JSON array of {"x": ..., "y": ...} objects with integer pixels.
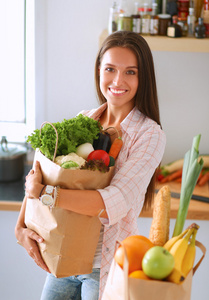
[{"x": 128, "y": 67}]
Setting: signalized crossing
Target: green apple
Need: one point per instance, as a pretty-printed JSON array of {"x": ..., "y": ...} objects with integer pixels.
[{"x": 158, "y": 262}]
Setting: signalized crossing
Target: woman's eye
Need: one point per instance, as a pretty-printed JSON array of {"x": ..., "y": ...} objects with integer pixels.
[
  {"x": 131, "y": 72},
  {"x": 109, "y": 69}
]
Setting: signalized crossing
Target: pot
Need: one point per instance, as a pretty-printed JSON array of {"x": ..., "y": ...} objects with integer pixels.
[{"x": 12, "y": 161}]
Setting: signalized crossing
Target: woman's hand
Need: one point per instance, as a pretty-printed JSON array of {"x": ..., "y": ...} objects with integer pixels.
[
  {"x": 33, "y": 184},
  {"x": 29, "y": 239}
]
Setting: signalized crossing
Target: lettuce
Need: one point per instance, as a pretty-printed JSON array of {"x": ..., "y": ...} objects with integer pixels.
[{"x": 71, "y": 134}]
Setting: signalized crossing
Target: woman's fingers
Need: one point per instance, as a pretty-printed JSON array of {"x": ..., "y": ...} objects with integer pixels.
[
  {"x": 33, "y": 249},
  {"x": 37, "y": 166},
  {"x": 34, "y": 236}
]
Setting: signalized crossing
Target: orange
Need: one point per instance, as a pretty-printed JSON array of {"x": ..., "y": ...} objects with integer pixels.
[
  {"x": 139, "y": 274},
  {"x": 136, "y": 246}
]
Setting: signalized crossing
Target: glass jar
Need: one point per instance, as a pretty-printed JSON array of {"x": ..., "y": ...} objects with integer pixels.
[{"x": 164, "y": 22}]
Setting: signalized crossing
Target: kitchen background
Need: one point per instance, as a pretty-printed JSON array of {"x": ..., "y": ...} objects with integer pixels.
[{"x": 67, "y": 35}]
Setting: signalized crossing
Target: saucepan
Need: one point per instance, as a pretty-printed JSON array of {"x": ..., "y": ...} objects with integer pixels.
[{"x": 12, "y": 161}]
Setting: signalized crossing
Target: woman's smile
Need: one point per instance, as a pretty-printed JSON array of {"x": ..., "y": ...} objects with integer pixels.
[{"x": 117, "y": 92}]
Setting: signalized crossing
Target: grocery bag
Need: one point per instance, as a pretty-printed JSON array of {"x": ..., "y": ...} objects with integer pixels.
[
  {"x": 70, "y": 239},
  {"x": 121, "y": 287}
]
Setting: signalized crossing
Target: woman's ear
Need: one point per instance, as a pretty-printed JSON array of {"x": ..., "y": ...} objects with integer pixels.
[{"x": 99, "y": 71}]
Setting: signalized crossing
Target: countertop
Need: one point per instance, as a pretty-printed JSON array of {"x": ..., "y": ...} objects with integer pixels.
[{"x": 12, "y": 194}]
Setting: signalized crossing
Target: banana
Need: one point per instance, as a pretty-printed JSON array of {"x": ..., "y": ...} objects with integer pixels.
[
  {"x": 178, "y": 250},
  {"x": 168, "y": 245},
  {"x": 176, "y": 276},
  {"x": 189, "y": 257}
]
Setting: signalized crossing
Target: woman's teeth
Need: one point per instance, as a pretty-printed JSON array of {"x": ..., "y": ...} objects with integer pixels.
[{"x": 117, "y": 91}]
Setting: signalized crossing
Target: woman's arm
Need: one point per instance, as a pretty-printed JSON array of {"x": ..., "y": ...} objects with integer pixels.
[{"x": 86, "y": 202}]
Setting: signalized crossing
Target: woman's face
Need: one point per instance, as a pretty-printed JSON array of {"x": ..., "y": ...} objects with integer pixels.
[{"x": 119, "y": 76}]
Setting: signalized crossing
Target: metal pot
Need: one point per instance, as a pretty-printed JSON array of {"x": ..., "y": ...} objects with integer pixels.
[{"x": 12, "y": 161}]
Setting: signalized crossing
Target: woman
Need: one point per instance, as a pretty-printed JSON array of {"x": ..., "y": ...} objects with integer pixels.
[{"x": 126, "y": 87}]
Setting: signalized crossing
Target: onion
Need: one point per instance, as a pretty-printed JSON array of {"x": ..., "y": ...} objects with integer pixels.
[{"x": 84, "y": 149}]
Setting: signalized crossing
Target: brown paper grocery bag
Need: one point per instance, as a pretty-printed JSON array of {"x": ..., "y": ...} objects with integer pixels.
[
  {"x": 70, "y": 239},
  {"x": 121, "y": 287}
]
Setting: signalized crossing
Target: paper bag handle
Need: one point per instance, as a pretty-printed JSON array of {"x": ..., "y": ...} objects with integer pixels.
[
  {"x": 55, "y": 150},
  {"x": 203, "y": 249}
]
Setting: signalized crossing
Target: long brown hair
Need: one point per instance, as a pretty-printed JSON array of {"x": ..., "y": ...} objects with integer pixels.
[{"x": 146, "y": 99}]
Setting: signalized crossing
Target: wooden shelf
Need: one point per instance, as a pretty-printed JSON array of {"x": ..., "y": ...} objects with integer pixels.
[{"x": 166, "y": 44}]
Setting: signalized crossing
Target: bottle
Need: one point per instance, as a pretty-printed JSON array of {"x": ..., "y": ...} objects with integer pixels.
[
  {"x": 174, "y": 30},
  {"x": 206, "y": 16},
  {"x": 200, "y": 29},
  {"x": 136, "y": 19},
  {"x": 154, "y": 20},
  {"x": 191, "y": 22},
  {"x": 113, "y": 18},
  {"x": 145, "y": 20}
]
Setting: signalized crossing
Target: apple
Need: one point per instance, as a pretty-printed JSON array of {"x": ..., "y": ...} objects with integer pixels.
[{"x": 158, "y": 262}]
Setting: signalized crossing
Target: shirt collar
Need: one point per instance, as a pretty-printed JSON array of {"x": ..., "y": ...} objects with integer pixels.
[{"x": 128, "y": 124}]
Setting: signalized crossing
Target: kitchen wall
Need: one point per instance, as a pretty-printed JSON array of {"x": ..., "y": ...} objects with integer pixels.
[{"x": 67, "y": 40}]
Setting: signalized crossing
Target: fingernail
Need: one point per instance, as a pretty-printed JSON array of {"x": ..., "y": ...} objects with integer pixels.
[{"x": 40, "y": 240}]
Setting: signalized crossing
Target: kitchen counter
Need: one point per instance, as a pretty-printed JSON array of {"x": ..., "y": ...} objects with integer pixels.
[{"x": 11, "y": 195}]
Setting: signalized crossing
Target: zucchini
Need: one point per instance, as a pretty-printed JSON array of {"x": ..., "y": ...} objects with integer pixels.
[{"x": 178, "y": 164}]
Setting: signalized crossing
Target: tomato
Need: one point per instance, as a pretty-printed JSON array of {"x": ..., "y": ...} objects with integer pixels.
[{"x": 99, "y": 154}]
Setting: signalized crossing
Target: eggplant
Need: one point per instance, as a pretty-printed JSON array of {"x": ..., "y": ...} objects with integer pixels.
[{"x": 103, "y": 142}]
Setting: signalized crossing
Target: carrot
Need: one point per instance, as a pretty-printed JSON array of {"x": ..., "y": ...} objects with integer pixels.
[
  {"x": 179, "y": 180},
  {"x": 200, "y": 176},
  {"x": 203, "y": 180},
  {"x": 172, "y": 176},
  {"x": 116, "y": 147}
]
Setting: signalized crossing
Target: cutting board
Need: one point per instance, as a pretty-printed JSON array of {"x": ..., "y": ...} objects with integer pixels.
[{"x": 199, "y": 193}]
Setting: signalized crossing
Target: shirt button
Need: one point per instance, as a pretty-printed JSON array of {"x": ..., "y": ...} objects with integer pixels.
[
  {"x": 107, "y": 249},
  {"x": 106, "y": 273},
  {"x": 110, "y": 226}
]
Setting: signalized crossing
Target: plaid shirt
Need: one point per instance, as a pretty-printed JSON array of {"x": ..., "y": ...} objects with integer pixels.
[{"x": 142, "y": 151}]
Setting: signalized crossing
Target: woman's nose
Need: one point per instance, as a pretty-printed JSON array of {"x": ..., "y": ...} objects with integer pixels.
[{"x": 118, "y": 78}]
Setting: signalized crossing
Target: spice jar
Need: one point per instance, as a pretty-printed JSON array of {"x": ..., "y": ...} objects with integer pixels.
[
  {"x": 164, "y": 22},
  {"x": 183, "y": 8}
]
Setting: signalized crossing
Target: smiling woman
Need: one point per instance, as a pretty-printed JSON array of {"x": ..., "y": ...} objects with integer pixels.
[{"x": 17, "y": 69}]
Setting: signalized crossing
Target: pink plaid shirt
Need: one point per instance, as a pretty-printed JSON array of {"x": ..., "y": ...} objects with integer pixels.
[{"x": 142, "y": 151}]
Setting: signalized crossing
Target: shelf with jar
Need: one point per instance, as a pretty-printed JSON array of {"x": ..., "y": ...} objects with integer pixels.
[
  {"x": 164, "y": 43},
  {"x": 153, "y": 25}
]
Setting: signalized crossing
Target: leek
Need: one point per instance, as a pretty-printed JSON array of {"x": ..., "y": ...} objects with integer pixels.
[{"x": 191, "y": 169}]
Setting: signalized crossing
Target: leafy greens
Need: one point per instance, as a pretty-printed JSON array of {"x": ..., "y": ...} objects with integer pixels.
[{"x": 71, "y": 134}]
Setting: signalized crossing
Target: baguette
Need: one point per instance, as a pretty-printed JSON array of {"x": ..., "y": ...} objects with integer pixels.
[{"x": 159, "y": 230}]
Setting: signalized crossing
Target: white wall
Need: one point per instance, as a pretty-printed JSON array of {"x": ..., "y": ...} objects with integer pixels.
[
  {"x": 67, "y": 40},
  {"x": 21, "y": 279}
]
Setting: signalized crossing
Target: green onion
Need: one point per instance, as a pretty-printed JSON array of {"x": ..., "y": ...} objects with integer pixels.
[{"x": 191, "y": 169}]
